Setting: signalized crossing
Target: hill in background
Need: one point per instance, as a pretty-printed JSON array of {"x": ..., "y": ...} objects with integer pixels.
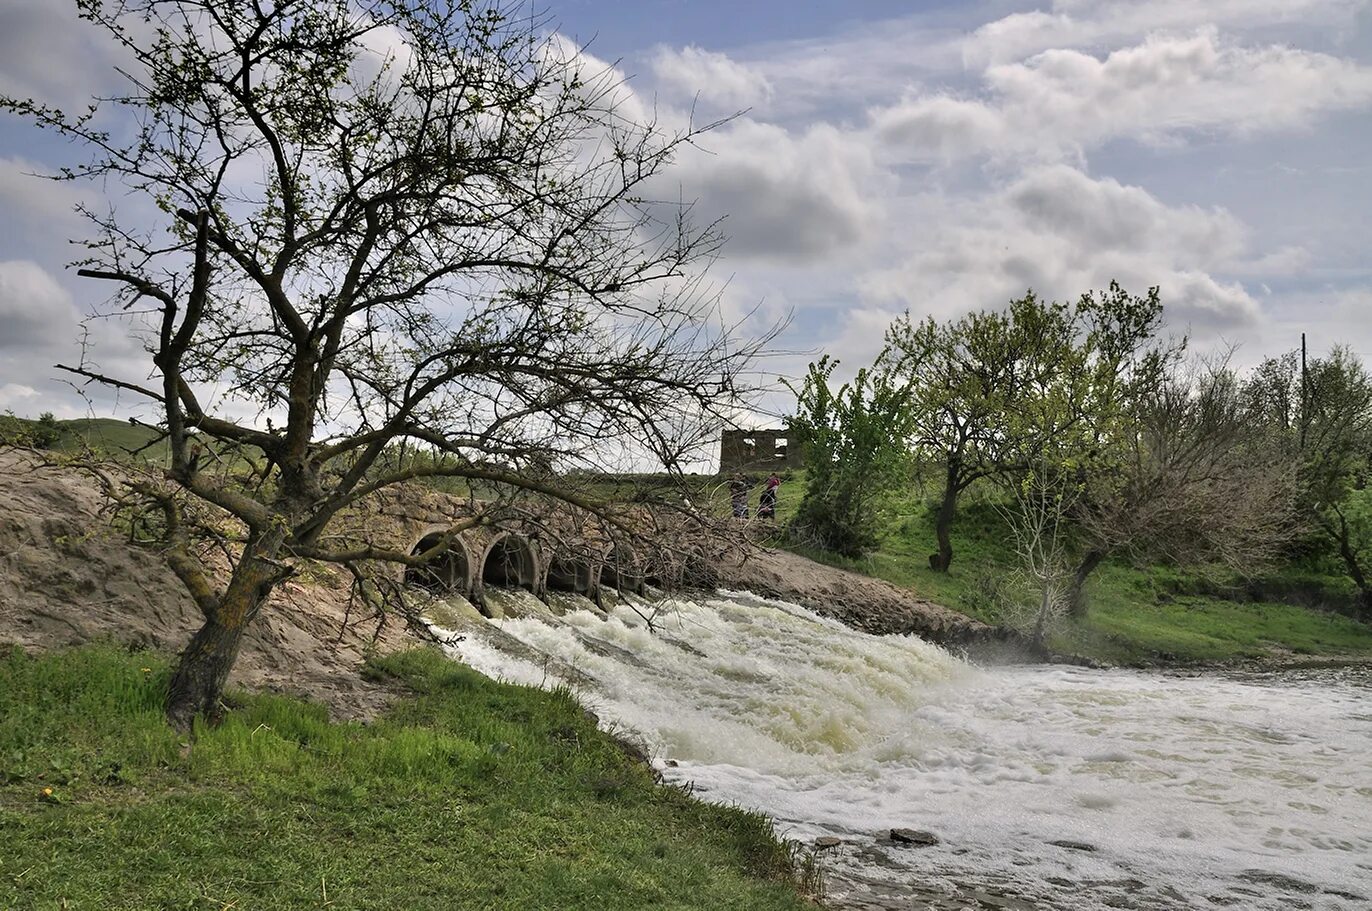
[{"x": 107, "y": 436}]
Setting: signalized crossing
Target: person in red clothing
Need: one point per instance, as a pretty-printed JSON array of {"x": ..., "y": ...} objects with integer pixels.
[{"x": 767, "y": 503}]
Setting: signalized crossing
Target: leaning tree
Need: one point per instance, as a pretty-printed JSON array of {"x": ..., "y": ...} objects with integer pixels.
[
  {"x": 1321, "y": 417},
  {"x": 376, "y": 225}
]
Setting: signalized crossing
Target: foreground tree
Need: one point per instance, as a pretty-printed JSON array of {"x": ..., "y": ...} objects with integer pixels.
[
  {"x": 1038, "y": 513},
  {"x": 854, "y": 453},
  {"x": 382, "y": 221}
]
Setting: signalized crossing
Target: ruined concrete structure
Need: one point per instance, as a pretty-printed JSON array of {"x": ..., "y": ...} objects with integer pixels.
[{"x": 757, "y": 450}]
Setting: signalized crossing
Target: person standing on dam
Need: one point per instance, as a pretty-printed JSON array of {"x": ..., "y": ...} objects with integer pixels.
[
  {"x": 738, "y": 495},
  {"x": 767, "y": 503}
]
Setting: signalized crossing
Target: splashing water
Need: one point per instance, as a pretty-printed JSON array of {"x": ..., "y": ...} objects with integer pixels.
[{"x": 1047, "y": 787}]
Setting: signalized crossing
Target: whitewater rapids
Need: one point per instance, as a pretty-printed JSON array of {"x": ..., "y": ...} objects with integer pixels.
[{"x": 1048, "y": 787}]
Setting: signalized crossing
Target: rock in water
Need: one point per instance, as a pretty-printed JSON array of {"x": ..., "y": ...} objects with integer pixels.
[
  {"x": 913, "y": 837},
  {"x": 1073, "y": 845}
]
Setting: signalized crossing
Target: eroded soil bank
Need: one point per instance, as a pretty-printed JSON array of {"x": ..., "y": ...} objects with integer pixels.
[
  {"x": 67, "y": 578},
  {"x": 871, "y": 605}
]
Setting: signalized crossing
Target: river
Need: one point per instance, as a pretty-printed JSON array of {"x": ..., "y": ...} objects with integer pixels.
[{"x": 1047, "y": 787}]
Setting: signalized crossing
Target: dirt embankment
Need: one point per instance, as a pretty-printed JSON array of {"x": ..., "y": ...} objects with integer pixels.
[
  {"x": 67, "y": 577},
  {"x": 872, "y": 605}
]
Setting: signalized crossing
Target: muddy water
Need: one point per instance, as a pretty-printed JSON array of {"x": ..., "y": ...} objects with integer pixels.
[{"x": 1048, "y": 788}]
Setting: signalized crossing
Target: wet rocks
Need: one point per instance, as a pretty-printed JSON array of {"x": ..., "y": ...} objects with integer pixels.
[
  {"x": 1073, "y": 845},
  {"x": 913, "y": 837},
  {"x": 1279, "y": 881}
]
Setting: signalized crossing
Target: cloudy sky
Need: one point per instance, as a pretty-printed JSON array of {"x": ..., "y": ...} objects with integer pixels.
[{"x": 938, "y": 157}]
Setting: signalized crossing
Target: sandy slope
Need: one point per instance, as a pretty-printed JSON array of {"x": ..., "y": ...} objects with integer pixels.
[{"x": 67, "y": 578}]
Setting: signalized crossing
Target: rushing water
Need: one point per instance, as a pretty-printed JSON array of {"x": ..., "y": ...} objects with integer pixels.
[{"x": 1048, "y": 787}]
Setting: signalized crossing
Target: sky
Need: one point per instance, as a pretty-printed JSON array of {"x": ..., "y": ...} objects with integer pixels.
[{"x": 888, "y": 156}]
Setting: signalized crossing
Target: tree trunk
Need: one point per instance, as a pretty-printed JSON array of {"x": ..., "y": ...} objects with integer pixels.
[
  {"x": 1077, "y": 594},
  {"x": 203, "y": 668},
  {"x": 201, "y": 673},
  {"x": 943, "y": 523},
  {"x": 1355, "y": 572},
  {"x": 1045, "y": 609}
]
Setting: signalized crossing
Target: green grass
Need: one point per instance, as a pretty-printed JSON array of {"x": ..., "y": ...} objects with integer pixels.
[
  {"x": 470, "y": 794},
  {"x": 105, "y": 436},
  {"x": 1137, "y": 615}
]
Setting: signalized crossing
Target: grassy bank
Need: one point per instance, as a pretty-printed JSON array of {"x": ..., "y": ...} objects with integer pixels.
[
  {"x": 1138, "y": 615},
  {"x": 469, "y": 794},
  {"x": 105, "y": 436}
]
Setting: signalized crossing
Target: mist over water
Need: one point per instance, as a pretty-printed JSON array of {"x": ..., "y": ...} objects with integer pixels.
[{"x": 1189, "y": 791}]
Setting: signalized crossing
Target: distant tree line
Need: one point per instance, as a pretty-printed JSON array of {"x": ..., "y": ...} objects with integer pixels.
[{"x": 1098, "y": 436}]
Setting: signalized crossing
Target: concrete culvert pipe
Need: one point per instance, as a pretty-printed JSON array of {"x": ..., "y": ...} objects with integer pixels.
[
  {"x": 665, "y": 572},
  {"x": 620, "y": 571},
  {"x": 509, "y": 563},
  {"x": 449, "y": 571},
  {"x": 571, "y": 573}
]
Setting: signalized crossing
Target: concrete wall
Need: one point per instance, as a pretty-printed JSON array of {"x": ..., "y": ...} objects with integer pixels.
[{"x": 757, "y": 450}]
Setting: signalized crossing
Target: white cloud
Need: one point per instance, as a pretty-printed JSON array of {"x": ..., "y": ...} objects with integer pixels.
[
  {"x": 48, "y": 54},
  {"x": 1062, "y": 102},
  {"x": 17, "y": 397},
  {"x": 1096, "y": 23},
  {"x": 1105, "y": 215},
  {"x": 940, "y": 128},
  {"x": 1023, "y": 118},
  {"x": 783, "y": 195},
  {"x": 1060, "y": 232},
  {"x": 716, "y": 79},
  {"x": 34, "y": 308}
]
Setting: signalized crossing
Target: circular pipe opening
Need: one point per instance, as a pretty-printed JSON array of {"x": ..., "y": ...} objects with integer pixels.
[
  {"x": 570, "y": 574},
  {"x": 620, "y": 570},
  {"x": 509, "y": 564},
  {"x": 443, "y": 573}
]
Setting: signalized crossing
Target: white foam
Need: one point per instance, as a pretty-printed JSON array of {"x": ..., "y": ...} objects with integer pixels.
[{"x": 1193, "y": 786}]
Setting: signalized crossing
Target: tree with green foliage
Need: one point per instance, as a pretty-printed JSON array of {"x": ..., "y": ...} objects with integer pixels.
[
  {"x": 382, "y": 221},
  {"x": 43, "y": 433},
  {"x": 990, "y": 391},
  {"x": 46, "y": 431},
  {"x": 1322, "y": 418},
  {"x": 853, "y": 441}
]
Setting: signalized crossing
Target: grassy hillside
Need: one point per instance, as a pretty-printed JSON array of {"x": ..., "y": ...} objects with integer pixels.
[
  {"x": 107, "y": 436},
  {"x": 1137, "y": 615},
  {"x": 468, "y": 795}
]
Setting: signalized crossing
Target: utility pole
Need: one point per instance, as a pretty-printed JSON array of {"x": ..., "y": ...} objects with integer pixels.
[{"x": 1305, "y": 395}]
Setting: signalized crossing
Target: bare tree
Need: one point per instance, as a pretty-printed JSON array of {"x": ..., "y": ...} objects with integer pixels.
[
  {"x": 1038, "y": 513},
  {"x": 383, "y": 224},
  {"x": 1184, "y": 476}
]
